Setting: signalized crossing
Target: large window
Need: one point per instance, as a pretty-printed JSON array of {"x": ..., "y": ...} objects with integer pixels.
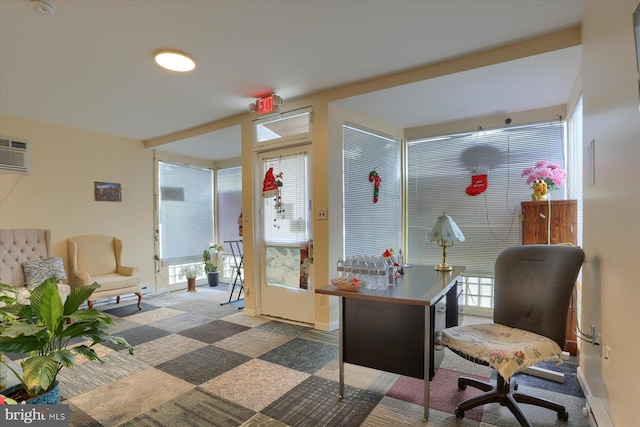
[
  {"x": 439, "y": 172},
  {"x": 185, "y": 213},
  {"x": 574, "y": 160},
  {"x": 291, "y": 126},
  {"x": 371, "y": 226},
  {"x": 229, "y": 204},
  {"x": 441, "y": 169}
]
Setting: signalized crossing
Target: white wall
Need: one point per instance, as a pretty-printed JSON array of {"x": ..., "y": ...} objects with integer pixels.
[
  {"x": 611, "y": 289},
  {"x": 58, "y": 194}
]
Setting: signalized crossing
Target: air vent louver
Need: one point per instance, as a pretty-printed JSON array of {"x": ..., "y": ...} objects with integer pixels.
[{"x": 14, "y": 156}]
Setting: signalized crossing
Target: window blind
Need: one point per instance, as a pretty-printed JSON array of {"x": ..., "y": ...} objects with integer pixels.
[
  {"x": 439, "y": 171},
  {"x": 185, "y": 212},
  {"x": 575, "y": 163},
  {"x": 370, "y": 227},
  {"x": 229, "y": 186},
  {"x": 287, "y": 224}
]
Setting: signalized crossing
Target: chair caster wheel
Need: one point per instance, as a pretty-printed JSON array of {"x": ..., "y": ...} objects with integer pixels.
[
  {"x": 459, "y": 413},
  {"x": 563, "y": 416},
  {"x": 462, "y": 387}
]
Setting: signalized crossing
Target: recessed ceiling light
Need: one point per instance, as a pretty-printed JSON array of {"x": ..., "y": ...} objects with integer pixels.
[
  {"x": 43, "y": 7},
  {"x": 174, "y": 60}
]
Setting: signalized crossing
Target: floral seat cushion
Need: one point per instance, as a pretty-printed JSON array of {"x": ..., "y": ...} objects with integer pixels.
[{"x": 507, "y": 350}]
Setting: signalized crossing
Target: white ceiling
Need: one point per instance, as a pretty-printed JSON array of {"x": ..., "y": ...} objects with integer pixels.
[{"x": 90, "y": 65}]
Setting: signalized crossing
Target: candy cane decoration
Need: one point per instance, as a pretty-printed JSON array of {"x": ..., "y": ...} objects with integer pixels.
[{"x": 375, "y": 178}]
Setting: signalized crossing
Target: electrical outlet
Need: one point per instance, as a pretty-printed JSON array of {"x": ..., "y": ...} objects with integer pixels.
[
  {"x": 322, "y": 300},
  {"x": 607, "y": 356},
  {"x": 247, "y": 291},
  {"x": 322, "y": 214}
]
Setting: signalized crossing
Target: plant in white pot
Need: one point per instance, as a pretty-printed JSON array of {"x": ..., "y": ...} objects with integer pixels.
[
  {"x": 45, "y": 330},
  {"x": 211, "y": 260}
]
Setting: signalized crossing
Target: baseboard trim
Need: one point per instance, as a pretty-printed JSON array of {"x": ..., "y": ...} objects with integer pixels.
[
  {"x": 599, "y": 417},
  {"x": 323, "y": 326}
]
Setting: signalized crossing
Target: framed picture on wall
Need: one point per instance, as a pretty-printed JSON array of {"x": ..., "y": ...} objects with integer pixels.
[{"x": 107, "y": 192}]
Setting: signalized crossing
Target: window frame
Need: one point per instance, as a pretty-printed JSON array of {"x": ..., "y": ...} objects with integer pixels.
[{"x": 286, "y": 141}]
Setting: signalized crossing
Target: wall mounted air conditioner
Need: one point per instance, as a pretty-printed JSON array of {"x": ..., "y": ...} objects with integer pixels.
[{"x": 15, "y": 156}]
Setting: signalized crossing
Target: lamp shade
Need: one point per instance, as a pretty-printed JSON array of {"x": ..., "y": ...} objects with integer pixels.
[{"x": 446, "y": 230}]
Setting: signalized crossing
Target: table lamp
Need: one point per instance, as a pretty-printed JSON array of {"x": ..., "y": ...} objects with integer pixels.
[{"x": 445, "y": 232}]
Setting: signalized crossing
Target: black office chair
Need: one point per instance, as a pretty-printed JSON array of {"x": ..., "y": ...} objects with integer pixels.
[{"x": 533, "y": 286}]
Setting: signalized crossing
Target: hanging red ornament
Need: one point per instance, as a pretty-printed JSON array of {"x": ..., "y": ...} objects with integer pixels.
[
  {"x": 375, "y": 178},
  {"x": 269, "y": 186},
  {"x": 479, "y": 180}
]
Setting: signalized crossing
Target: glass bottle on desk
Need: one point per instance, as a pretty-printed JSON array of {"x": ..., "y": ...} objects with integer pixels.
[
  {"x": 355, "y": 267},
  {"x": 372, "y": 273},
  {"x": 340, "y": 268},
  {"x": 347, "y": 267},
  {"x": 381, "y": 268}
]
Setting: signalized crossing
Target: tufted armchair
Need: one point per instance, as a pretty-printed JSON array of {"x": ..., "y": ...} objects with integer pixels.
[
  {"x": 29, "y": 247},
  {"x": 96, "y": 258}
]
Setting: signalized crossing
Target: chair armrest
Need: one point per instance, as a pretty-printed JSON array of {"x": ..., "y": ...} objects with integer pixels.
[
  {"x": 80, "y": 278},
  {"x": 126, "y": 271}
]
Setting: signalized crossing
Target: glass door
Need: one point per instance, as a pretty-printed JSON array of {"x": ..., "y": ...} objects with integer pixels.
[{"x": 286, "y": 276}]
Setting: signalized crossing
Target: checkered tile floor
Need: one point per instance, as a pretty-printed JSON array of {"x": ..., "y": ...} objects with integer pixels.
[{"x": 199, "y": 363}]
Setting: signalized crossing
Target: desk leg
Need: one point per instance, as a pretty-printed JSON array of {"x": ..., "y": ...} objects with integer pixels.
[
  {"x": 341, "y": 351},
  {"x": 427, "y": 359}
]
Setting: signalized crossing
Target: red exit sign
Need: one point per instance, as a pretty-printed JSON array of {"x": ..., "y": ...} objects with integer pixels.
[{"x": 268, "y": 105}]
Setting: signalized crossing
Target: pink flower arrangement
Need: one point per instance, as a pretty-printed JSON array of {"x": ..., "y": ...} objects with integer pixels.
[{"x": 551, "y": 173}]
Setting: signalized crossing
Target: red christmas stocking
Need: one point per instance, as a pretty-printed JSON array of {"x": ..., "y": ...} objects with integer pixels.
[{"x": 478, "y": 185}]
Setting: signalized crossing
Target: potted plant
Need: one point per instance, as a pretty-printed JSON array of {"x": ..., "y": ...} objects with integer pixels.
[
  {"x": 211, "y": 264},
  {"x": 47, "y": 330},
  {"x": 9, "y": 295},
  {"x": 191, "y": 273}
]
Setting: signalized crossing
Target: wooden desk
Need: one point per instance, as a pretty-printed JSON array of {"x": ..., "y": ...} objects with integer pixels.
[{"x": 393, "y": 330}]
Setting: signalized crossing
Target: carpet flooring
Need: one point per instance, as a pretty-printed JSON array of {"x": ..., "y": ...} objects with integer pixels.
[{"x": 200, "y": 363}]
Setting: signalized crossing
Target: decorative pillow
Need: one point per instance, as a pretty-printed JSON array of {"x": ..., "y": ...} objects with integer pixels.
[{"x": 36, "y": 272}]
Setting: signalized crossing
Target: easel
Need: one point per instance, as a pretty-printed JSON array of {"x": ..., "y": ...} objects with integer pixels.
[{"x": 236, "y": 274}]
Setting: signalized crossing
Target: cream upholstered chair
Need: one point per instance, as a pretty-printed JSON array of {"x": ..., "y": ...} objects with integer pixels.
[
  {"x": 533, "y": 286},
  {"x": 96, "y": 258},
  {"x": 26, "y": 261}
]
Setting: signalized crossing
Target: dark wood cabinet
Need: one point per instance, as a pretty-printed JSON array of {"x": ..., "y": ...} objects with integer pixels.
[{"x": 562, "y": 228}]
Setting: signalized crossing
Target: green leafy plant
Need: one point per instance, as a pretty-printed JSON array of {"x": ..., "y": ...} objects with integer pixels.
[
  {"x": 8, "y": 296},
  {"x": 45, "y": 330},
  {"x": 211, "y": 265}
]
